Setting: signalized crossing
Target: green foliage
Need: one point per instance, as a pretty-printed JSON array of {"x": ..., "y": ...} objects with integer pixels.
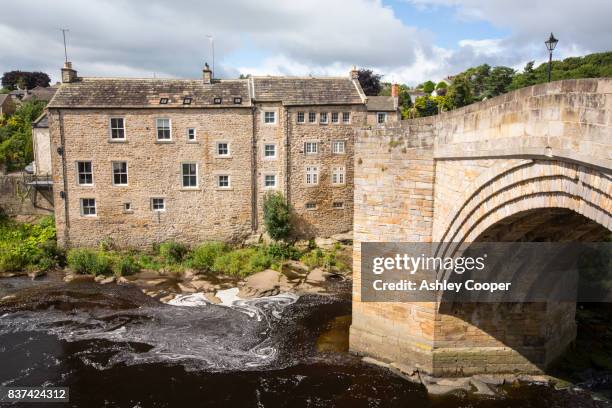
[
  {"x": 460, "y": 93},
  {"x": 425, "y": 106},
  {"x": 441, "y": 85},
  {"x": 498, "y": 81},
  {"x": 370, "y": 82},
  {"x": 16, "y": 136},
  {"x": 203, "y": 257},
  {"x": 242, "y": 262},
  {"x": 28, "y": 246},
  {"x": 83, "y": 260},
  {"x": 428, "y": 87},
  {"x": 319, "y": 258},
  {"x": 277, "y": 216},
  {"x": 25, "y": 79},
  {"x": 172, "y": 252},
  {"x": 404, "y": 101},
  {"x": 149, "y": 262},
  {"x": 283, "y": 252},
  {"x": 125, "y": 266}
]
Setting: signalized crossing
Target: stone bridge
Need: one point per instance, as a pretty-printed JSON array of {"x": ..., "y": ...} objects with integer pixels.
[{"x": 530, "y": 165}]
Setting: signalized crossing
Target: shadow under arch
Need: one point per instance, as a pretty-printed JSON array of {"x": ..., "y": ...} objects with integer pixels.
[{"x": 536, "y": 332}]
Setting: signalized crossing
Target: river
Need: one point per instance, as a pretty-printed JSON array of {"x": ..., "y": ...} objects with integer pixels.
[{"x": 113, "y": 346}]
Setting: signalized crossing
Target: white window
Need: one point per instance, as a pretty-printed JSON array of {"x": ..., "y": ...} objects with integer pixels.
[
  {"x": 338, "y": 175},
  {"x": 334, "y": 116},
  {"x": 300, "y": 117},
  {"x": 381, "y": 117},
  {"x": 117, "y": 129},
  {"x": 312, "y": 117},
  {"x": 84, "y": 173},
  {"x": 88, "y": 207},
  {"x": 338, "y": 147},
  {"x": 158, "y": 204},
  {"x": 346, "y": 117},
  {"x": 310, "y": 147},
  {"x": 311, "y": 206},
  {"x": 338, "y": 205},
  {"x": 270, "y": 117},
  {"x": 323, "y": 117},
  {"x": 270, "y": 151},
  {"x": 163, "y": 129},
  {"x": 127, "y": 207},
  {"x": 312, "y": 175},
  {"x": 189, "y": 172},
  {"x": 191, "y": 134},
  {"x": 223, "y": 181},
  {"x": 223, "y": 149},
  {"x": 270, "y": 180},
  {"x": 120, "y": 173}
]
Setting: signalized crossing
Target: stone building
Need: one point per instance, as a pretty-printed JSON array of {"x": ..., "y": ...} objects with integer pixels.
[
  {"x": 7, "y": 106},
  {"x": 146, "y": 160}
]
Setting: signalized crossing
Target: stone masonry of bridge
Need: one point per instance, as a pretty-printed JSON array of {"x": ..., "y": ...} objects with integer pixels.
[{"x": 455, "y": 178}]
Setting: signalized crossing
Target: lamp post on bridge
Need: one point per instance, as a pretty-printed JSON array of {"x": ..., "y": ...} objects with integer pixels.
[{"x": 551, "y": 43}]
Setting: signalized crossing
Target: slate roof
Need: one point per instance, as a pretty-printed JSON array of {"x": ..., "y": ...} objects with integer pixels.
[
  {"x": 42, "y": 121},
  {"x": 40, "y": 93},
  {"x": 306, "y": 90},
  {"x": 381, "y": 104},
  {"x": 146, "y": 93}
]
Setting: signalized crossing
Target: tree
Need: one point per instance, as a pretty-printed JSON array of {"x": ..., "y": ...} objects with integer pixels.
[
  {"x": 277, "y": 216},
  {"x": 428, "y": 87},
  {"x": 460, "y": 93},
  {"x": 25, "y": 79},
  {"x": 425, "y": 106},
  {"x": 16, "y": 149},
  {"x": 498, "y": 81},
  {"x": 370, "y": 82},
  {"x": 441, "y": 85}
]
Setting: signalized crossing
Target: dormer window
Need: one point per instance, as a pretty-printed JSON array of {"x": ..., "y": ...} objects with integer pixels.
[
  {"x": 237, "y": 101},
  {"x": 163, "y": 101},
  {"x": 187, "y": 100},
  {"x": 217, "y": 101}
]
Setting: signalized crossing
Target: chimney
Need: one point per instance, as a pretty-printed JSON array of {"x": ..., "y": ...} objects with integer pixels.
[
  {"x": 68, "y": 74},
  {"x": 354, "y": 73},
  {"x": 207, "y": 74},
  {"x": 395, "y": 90}
]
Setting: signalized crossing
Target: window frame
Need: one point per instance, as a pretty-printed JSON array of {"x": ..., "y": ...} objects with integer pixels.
[
  {"x": 164, "y": 140},
  {"x": 265, "y": 181},
  {"x": 82, "y": 207},
  {"x": 111, "y": 128},
  {"x": 303, "y": 116},
  {"x": 314, "y": 143},
  {"x": 313, "y": 205},
  {"x": 265, "y": 119},
  {"x": 152, "y": 204},
  {"x": 265, "y": 151},
  {"x": 127, "y": 178},
  {"x": 338, "y": 175},
  {"x": 346, "y": 118},
  {"x": 229, "y": 149},
  {"x": 311, "y": 174},
  {"x": 78, "y": 173},
  {"x": 312, "y": 117},
  {"x": 218, "y": 181},
  {"x": 337, "y": 116},
  {"x": 340, "y": 207},
  {"x": 196, "y": 175},
  {"x": 338, "y": 142},
  {"x": 323, "y": 118},
  {"x": 378, "y": 115},
  {"x": 195, "y": 135}
]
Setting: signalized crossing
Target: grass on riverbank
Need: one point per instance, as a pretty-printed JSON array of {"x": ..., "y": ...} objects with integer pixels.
[
  {"x": 28, "y": 247},
  {"x": 214, "y": 258}
]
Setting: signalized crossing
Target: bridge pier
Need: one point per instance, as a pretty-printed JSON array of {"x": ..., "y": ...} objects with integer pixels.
[{"x": 530, "y": 165}]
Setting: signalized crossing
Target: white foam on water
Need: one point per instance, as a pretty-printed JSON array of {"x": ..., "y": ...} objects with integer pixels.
[
  {"x": 228, "y": 296},
  {"x": 195, "y": 299}
]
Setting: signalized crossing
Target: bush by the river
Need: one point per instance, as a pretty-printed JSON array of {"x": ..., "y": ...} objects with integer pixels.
[
  {"x": 28, "y": 246},
  {"x": 100, "y": 262}
]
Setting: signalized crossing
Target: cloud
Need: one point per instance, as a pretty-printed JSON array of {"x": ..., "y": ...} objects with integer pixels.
[{"x": 319, "y": 37}]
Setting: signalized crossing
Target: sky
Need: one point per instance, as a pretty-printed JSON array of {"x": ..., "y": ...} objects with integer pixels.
[{"x": 407, "y": 41}]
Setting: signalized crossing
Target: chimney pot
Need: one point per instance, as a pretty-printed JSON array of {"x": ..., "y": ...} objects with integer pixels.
[
  {"x": 354, "y": 73},
  {"x": 207, "y": 74}
]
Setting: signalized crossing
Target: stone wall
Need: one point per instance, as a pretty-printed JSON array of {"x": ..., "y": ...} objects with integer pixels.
[
  {"x": 454, "y": 176},
  {"x": 19, "y": 198}
]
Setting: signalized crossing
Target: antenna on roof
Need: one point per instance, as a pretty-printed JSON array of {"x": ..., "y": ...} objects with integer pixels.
[
  {"x": 212, "y": 47},
  {"x": 64, "y": 31}
]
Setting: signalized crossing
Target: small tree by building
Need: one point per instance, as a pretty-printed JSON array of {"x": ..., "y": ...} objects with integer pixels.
[
  {"x": 277, "y": 216},
  {"x": 370, "y": 82}
]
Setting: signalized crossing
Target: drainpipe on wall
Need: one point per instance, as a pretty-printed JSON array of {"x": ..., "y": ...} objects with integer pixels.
[
  {"x": 254, "y": 171},
  {"x": 65, "y": 181},
  {"x": 287, "y": 156}
]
